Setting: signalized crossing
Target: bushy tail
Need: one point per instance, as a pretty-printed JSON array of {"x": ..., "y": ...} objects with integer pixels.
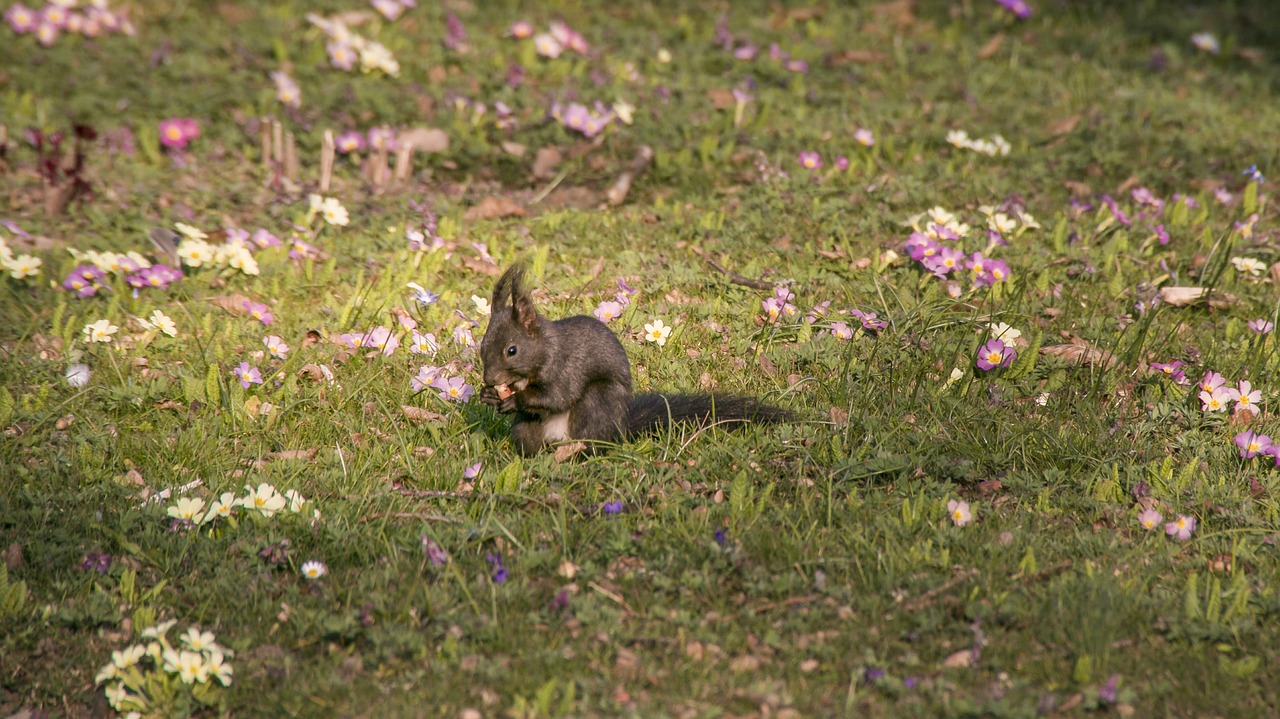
[{"x": 654, "y": 411}]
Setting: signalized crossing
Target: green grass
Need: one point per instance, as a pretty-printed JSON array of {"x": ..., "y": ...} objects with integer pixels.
[{"x": 839, "y": 559}]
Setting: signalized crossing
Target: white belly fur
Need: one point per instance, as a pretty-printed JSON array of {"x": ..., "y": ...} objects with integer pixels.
[{"x": 556, "y": 428}]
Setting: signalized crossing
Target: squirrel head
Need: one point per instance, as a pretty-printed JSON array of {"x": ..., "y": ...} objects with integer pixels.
[{"x": 513, "y": 347}]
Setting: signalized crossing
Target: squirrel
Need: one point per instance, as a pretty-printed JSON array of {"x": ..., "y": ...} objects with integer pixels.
[{"x": 570, "y": 380}]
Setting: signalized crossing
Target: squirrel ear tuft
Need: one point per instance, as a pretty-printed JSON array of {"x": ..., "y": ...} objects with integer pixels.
[
  {"x": 511, "y": 294},
  {"x": 508, "y": 286}
]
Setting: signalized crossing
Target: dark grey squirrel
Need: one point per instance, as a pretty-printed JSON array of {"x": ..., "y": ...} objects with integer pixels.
[{"x": 570, "y": 379}]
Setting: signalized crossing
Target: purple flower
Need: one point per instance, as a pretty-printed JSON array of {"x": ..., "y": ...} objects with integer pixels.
[
  {"x": 721, "y": 536},
  {"x": 1254, "y": 174},
  {"x": 869, "y": 320},
  {"x": 1170, "y": 369},
  {"x": 380, "y": 137},
  {"x": 608, "y": 310},
  {"x": 425, "y": 377},
  {"x": 819, "y": 310},
  {"x": 995, "y": 354},
  {"x": 871, "y": 674},
  {"x": 1143, "y": 196},
  {"x": 349, "y": 141},
  {"x": 300, "y": 249},
  {"x": 842, "y": 163},
  {"x": 158, "y": 276},
  {"x": 810, "y": 160},
  {"x": 1107, "y": 692},
  {"x": 455, "y": 36},
  {"x": 98, "y": 562},
  {"x": 1212, "y": 381},
  {"x": 921, "y": 246},
  {"x": 499, "y": 569},
  {"x": 177, "y": 132},
  {"x": 453, "y": 389},
  {"x": 258, "y": 311},
  {"x": 248, "y": 375},
  {"x": 746, "y": 52},
  {"x": 434, "y": 553},
  {"x": 614, "y": 507},
  {"x": 262, "y": 239},
  {"x": 1182, "y": 527},
  {"x": 1161, "y": 234},
  {"x": 1019, "y": 8},
  {"x": 473, "y": 471},
  {"x": 21, "y": 18},
  {"x": 1261, "y": 326},
  {"x": 1116, "y": 212},
  {"x": 83, "y": 280},
  {"x": 341, "y": 55},
  {"x": 1252, "y": 444}
]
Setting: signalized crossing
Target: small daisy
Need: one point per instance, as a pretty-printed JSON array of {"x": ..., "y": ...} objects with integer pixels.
[{"x": 314, "y": 569}]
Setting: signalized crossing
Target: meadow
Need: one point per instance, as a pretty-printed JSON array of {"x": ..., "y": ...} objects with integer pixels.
[{"x": 1014, "y": 267}]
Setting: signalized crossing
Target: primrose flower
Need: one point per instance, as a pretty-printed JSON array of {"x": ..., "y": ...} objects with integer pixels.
[
  {"x": 276, "y": 346},
  {"x": 259, "y": 311},
  {"x": 869, "y": 320},
  {"x": 1245, "y": 397},
  {"x": 160, "y": 321},
  {"x": 334, "y": 213},
  {"x": 482, "y": 305},
  {"x": 547, "y": 46},
  {"x": 1261, "y": 326},
  {"x": 1252, "y": 444},
  {"x": 218, "y": 668},
  {"x": 520, "y": 30},
  {"x": 1249, "y": 265},
  {"x": 195, "y": 252},
  {"x": 608, "y": 310},
  {"x": 349, "y": 141},
  {"x": 220, "y": 507},
  {"x": 1019, "y": 8},
  {"x": 21, "y": 18},
  {"x": 78, "y": 375},
  {"x": 462, "y": 336},
  {"x": 1207, "y": 42},
  {"x": 424, "y": 344},
  {"x": 425, "y": 377},
  {"x": 454, "y": 389},
  {"x": 188, "y": 665},
  {"x": 198, "y": 641},
  {"x": 840, "y": 330},
  {"x": 657, "y": 332},
  {"x": 99, "y": 331},
  {"x": 473, "y": 471},
  {"x": 1215, "y": 401},
  {"x": 1149, "y": 519},
  {"x": 248, "y": 375},
  {"x": 341, "y": 55},
  {"x": 23, "y": 266},
  {"x": 296, "y": 500},
  {"x": 189, "y": 508},
  {"x": 1212, "y": 381},
  {"x": 47, "y": 33},
  {"x": 959, "y": 512},
  {"x": 287, "y": 91},
  {"x": 958, "y": 138},
  {"x": 381, "y": 339},
  {"x": 1182, "y": 527},
  {"x": 810, "y": 160},
  {"x": 1003, "y": 332},
  {"x": 819, "y": 310},
  {"x": 264, "y": 499},
  {"x": 177, "y": 132},
  {"x": 995, "y": 354},
  {"x": 1169, "y": 369},
  {"x": 864, "y": 137},
  {"x": 314, "y": 569}
]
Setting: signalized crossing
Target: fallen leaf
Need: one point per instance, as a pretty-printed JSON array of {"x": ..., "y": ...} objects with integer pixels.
[
  {"x": 721, "y": 99},
  {"x": 962, "y": 658},
  {"x": 514, "y": 149},
  {"x": 1184, "y": 296},
  {"x": 565, "y": 452},
  {"x": 861, "y": 57},
  {"x": 745, "y": 663},
  {"x": 235, "y": 304},
  {"x": 839, "y": 416},
  {"x": 492, "y": 207},
  {"x": 475, "y": 264},
  {"x": 992, "y": 46},
  {"x": 1081, "y": 351},
  {"x": 1064, "y": 126},
  {"x": 767, "y": 366},
  {"x": 545, "y": 162},
  {"x": 64, "y": 422},
  {"x": 425, "y": 139},
  {"x": 418, "y": 414},
  {"x": 288, "y": 454},
  {"x": 1077, "y": 189}
]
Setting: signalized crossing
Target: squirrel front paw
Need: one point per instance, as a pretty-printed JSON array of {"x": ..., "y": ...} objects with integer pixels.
[{"x": 496, "y": 398}]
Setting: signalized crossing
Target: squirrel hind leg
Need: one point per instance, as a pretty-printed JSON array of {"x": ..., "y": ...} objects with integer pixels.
[
  {"x": 529, "y": 436},
  {"x": 600, "y": 413}
]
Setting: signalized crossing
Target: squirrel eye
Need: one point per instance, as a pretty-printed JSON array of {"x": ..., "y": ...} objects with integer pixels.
[{"x": 511, "y": 351}]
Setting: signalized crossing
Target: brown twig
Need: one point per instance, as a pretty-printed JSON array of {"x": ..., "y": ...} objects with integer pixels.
[
  {"x": 617, "y": 194},
  {"x": 927, "y": 598},
  {"x": 738, "y": 279},
  {"x": 327, "y": 152}
]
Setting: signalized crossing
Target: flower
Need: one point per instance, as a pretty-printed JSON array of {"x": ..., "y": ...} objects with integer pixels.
[
  {"x": 258, "y": 311},
  {"x": 473, "y": 471},
  {"x": 220, "y": 507},
  {"x": 21, "y": 18},
  {"x": 841, "y": 330},
  {"x": 218, "y": 668},
  {"x": 1207, "y": 42},
  {"x": 99, "y": 331},
  {"x": 614, "y": 507},
  {"x": 499, "y": 569},
  {"x": 1254, "y": 174},
  {"x": 1149, "y": 519},
  {"x": 424, "y": 344},
  {"x": 188, "y": 665},
  {"x": 160, "y": 321},
  {"x": 995, "y": 354},
  {"x": 454, "y": 389},
  {"x": 1182, "y": 527},
  {"x": 265, "y": 499},
  {"x": 314, "y": 569},
  {"x": 381, "y": 339},
  {"x": 520, "y": 30},
  {"x": 426, "y": 375},
  {"x": 296, "y": 500},
  {"x": 248, "y": 375},
  {"x": 198, "y": 641},
  {"x": 657, "y": 332},
  {"x": 1252, "y": 444},
  {"x": 1215, "y": 401},
  {"x": 1211, "y": 381},
  {"x": 547, "y": 46},
  {"x": 1003, "y": 332},
  {"x": 435, "y": 553},
  {"x": 1261, "y": 326},
  {"x": 608, "y": 310},
  {"x": 343, "y": 57},
  {"x": 1245, "y": 397},
  {"x": 959, "y": 512},
  {"x": 864, "y": 137},
  {"x": 78, "y": 375},
  {"x": 869, "y": 320},
  {"x": 1249, "y": 265},
  {"x": 422, "y": 295},
  {"x": 177, "y": 132},
  {"x": 349, "y": 141},
  {"x": 482, "y": 305},
  {"x": 810, "y": 160},
  {"x": 23, "y": 266},
  {"x": 1019, "y": 8},
  {"x": 462, "y": 336},
  {"x": 276, "y": 346},
  {"x": 189, "y": 508},
  {"x": 195, "y": 252},
  {"x": 287, "y": 91}
]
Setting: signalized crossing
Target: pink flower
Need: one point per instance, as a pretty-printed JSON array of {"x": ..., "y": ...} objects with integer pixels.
[
  {"x": 1182, "y": 527},
  {"x": 958, "y": 509},
  {"x": 349, "y": 141},
  {"x": 454, "y": 389},
  {"x": 608, "y": 310},
  {"x": 842, "y": 163},
  {"x": 342, "y": 56},
  {"x": 1212, "y": 381},
  {"x": 1245, "y": 397},
  {"x": 1261, "y": 326},
  {"x": 520, "y": 30},
  {"x": 248, "y": 375},
  {"x": 426, "y": 375},
  {"x": 810, "y": 160},
  {"x": 1150, "y": 519},
  {"x": 863, "y": 136},
  {"x": 381, "y": 339},
  {"x": 841, "y": 330},
  {"x": 21, "y": 18},
  {"x": 258, "y": 311},
  {"x": 1215, "y": 401},
  {"x": 995, "y": 354},
  {"x": 1252, "y": 444}
]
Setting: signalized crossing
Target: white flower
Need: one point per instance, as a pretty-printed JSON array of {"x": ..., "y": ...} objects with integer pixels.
[
  {"x": 239, "y": 257},
  {"x": 314, "y": 204},
  {"x": 99, "y": 331},
  {"x": 23, "y": 266},
  {"x": 959, "y": 138},
  {"x": 191, "y": 508},
  {"x": 218, "y": 668},
  {"x": 376, "y": 56},
  {"x": 314, "y": 569},
  {"x": 1002, "y": 223},
  {"x": 158, "y": 630},
  {"x": 189, "y": 666},
  {"x": 1250, "y": 265},
  {"x": 195, "y": 252},
  {"x": 482, "y": 305},
  {"x": 160, "y": 321},
  {"x": 190, "y": 232},
  {"x": 624, "y": 110},
  {"x": 959, "y": 511},
  {"x": 657, "y": 332},
  {"x": 547, "y": 46},
  {"x": 333, "y": 212},
  {"x": 424, "y": 344},
  {"x": 78, "y": 375},
  {"x": 221, "y": 507},
  {"x": 276, "y": 346},
  {"x": 941, "y": 216},
  {"x": 295, "y": 500},
  {"x": 1207, "y": 42},
  {"x": 198, "y": 641},
  {"x": 108, "y": 671},
  {"x": 264, "y": 499},
  {"x": 1004, "y": 333}
]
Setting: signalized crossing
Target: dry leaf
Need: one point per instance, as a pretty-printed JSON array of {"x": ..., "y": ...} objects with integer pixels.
[
  {"x": 745, "y": 663},
  {"x": 627, "y": 663},
  {"x": 313, "y": 337},
  {"x": 992, "y": 46},
  {"x": 170, "y": 404},
  {"x": 418, "y": 414},
  {"x": 962, "y": 658},
  {"x": 312, "y": 372},
  {"x": 862, "y": 57},
  {"x": 1184, "y": 296},
  {"x": 475, "y": 264},
  {"x": 545, "y": 163},
  {"x": 721, "y": 99},
  {"x": 235, "y": 304},
  {"x": 294, "y": 454},
  {"x": 1081, "y": 351},
  {"x": 64, "y": 422},
  {"x": 767, "y": 366},
  {"x": 425, "y": 139},
  {"x": 839, "y": 416},
  {"x": 514, "y": 149},
  {"x": 901, "y": 12},
  {"x": 495, "y": 207},
  {"x": 1064, "y": 126},
  {"x": 565, "y": 452},
  {"x": 1077, "y": 189}
]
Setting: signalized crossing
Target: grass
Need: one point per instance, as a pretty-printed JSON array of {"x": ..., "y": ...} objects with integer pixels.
[{"x": 803, "y": 570}]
